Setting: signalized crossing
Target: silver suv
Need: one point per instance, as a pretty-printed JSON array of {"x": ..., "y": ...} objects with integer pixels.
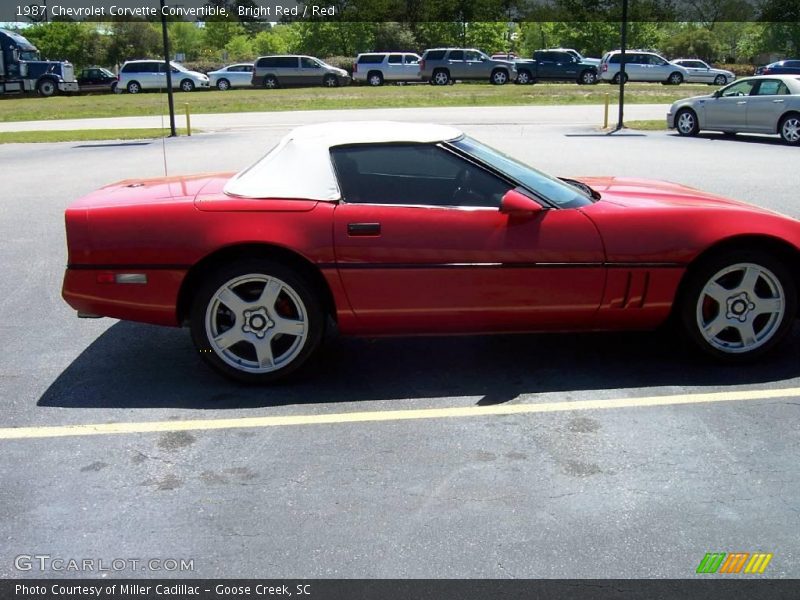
[
  {"x": 376, "y": 67},
  {"x": 641, "y": 65},
  {"x": 440, "y": 66}
]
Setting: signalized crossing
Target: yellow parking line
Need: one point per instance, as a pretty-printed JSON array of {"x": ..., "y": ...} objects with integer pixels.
[{"x": 12, "y": 433}]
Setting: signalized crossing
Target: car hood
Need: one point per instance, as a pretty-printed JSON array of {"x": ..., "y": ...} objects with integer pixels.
[{"x": 645, "y": 193}]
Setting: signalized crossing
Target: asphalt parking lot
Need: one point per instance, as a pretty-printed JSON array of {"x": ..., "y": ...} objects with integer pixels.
[{"x": 615, "y": 487}]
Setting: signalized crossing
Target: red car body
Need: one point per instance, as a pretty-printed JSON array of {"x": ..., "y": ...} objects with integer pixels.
[
  {"x": 254, "y": 262},
  {"x": 615, "y": 264}
]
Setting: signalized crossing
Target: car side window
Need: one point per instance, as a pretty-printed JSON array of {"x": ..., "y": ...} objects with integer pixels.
[
  {"x": 771, "y": 87},
  {"x": 456, "y": 55},
  {"x": 307, "y": 63},
  {"x": 411, "y": 59},
  {"x": 414, "y": 174},
  {"x": 472, "y": 55},
  {"x": 741, "y": 88},
  {"x": 395, "y": 59}
]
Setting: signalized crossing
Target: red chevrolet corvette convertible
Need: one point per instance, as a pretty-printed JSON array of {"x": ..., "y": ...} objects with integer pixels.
[{"x": 395, "y": 228}]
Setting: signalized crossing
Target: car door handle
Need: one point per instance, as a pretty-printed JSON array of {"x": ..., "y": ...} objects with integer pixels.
[
  {"x": 363, "y": 229},
  {"x": 777, "y": 101},
  {"x": 742, "y": 102}
]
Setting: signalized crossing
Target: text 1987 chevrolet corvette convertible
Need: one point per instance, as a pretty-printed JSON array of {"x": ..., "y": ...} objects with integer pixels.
[{"x": 396, "y": 228}]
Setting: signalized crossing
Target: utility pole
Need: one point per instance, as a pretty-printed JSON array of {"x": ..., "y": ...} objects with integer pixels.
[
  {"x": 623, "y": 44},
  {"x": 168, "y": 67}
]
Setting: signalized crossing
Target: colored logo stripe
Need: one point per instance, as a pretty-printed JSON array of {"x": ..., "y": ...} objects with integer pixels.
[
  {"x": 758, "y": 563},
  {"x": 711, "y": 562},
  {"x": 734, "y": 562}
]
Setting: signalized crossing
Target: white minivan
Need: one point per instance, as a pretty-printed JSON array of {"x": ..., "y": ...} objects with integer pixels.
[
  {"x": 641, "y": 66},
  {"x": 138, "y": 75}
]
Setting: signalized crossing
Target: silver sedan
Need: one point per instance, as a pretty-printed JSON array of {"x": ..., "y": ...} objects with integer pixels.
[
  {"x": 232, "y": 76},
  {"x": 702, "y": 72},
  {"x": 763, "y": 104}
]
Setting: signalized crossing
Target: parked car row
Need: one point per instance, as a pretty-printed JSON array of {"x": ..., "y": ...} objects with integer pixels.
[{"x": 437, "y": 66}]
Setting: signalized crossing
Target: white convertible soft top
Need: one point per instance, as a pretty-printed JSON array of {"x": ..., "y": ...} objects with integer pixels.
[{"x": 300, "y": 165}]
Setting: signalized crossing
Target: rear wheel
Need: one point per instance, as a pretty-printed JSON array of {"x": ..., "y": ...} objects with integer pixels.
[
  {"x": 739, "y": 305},
  {"x": 686, "y": 122},
  {"x": 790, "y": 129},
  {"x": 270, "y": 82},
  {"x": 617, "y": 77},
  {"x": 256, "y": 321},
  {"x": 375, "y": 78},
  {"x": 134, "y": 87},
  {"x": 440, "y": 77}
]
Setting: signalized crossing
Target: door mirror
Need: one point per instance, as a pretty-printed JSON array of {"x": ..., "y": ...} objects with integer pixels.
[
  {"x": 518, "y": 204},
  {"x": 717, "y": 93}
]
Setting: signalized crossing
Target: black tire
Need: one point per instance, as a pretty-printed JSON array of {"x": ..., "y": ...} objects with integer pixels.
[
  {"x": 686, "y": 122},
  {"x": 375, "y": 78},
  {"x": 440, "y": 77},
  {"x": 187, "y": 85},
  {"x": 587, "y": 77},
  {"x": 617, "y": 77},
  {"x": 114, "y": 88},
  {"x": 692, "y": 312},
  {"x": 271, "y": 82},
  {"x": 789, "y": 128},
  {"x": 499, "y": 77},
  {"x": 205, "y": 300},
  {"x": 47, "y": 87},
  {"x": 134, "y": 87},
  {"x": 674, "y": 79},
  {"x": 524, "y": 77},
  {"x": 223, "y": 85},
  {"x": 720, "y": 80},
  {"x": 330, "y": 81}
]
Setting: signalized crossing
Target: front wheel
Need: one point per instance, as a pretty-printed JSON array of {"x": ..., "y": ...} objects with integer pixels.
[
  {"x": 524, "y": 77},
  {"x": 790, "y": 129},
  {"x": 588, "y": 78},
  {"x": 739, "y": 305},
  {"x": 674, "y": 79},
  {"x": 686, "y": 122},
  {"x": 256, "y": 321},
  {"x": 499, "y": 77},
  {"x": 47, "y": 88},
  {"x": 223, "y": 85},
  {"x": 187, "y": 85},
  {"x": 330, "y": 81}
]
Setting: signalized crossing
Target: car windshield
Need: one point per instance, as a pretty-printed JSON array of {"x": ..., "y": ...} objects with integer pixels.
[
  {"x": 550, "y": 188},
  {"x": 179, "y": 67}
]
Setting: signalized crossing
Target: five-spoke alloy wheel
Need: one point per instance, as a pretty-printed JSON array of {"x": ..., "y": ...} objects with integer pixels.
[
  {"x": 686, "y": 122},
  {"x": 256, "y": 321},
  {"x": 739, "y": 305},
  {"x": 790, "y": 129}
]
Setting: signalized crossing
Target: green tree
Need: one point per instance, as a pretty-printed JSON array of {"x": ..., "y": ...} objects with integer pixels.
[
  {"x": 489, "y": 37},
  {"x": 130, "y": 40},
  {"x": 240, "y": 47},
  {"x": 435, "y": 34},
  {"x": 390, "y": 37},
  {"x": 692, "y": 42},
  {"x": 325, "y": 38},
  {"x": 281, "y": 39},
  {"x": 79, "y": 43},
  {"x": 216, "y": 34},
  {"x": 185, "y": 38}
]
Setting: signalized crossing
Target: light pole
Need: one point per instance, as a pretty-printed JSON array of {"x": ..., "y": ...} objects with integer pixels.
[
  {"x": 168, "y": 68},
  {"x": 623, "y": 43}
]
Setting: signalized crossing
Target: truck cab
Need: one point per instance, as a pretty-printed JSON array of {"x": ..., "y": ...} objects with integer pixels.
[{"x": 22, "y": 70}]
